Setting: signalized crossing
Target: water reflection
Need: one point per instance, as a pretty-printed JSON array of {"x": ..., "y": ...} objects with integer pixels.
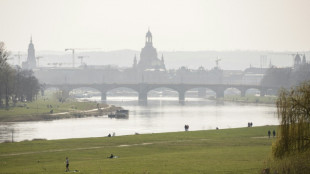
[{"x": 159, "y": 115}]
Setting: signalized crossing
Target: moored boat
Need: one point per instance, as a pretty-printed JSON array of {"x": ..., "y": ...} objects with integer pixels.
[{"x": 122, "y": 113}]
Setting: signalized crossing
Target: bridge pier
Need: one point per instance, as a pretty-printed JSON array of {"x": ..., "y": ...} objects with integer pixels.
[
  {"x": 219, "y": 93},
  {"x": 103, "y": 96},
  {"x": 243, "y": 91},
  {"x": 65, "y": 93},
  {"x": 181, "y": 96},
  {"x": 262, "y": 92},
  {"x": 202, "y": 92},
  {"x": 142, "y": 96}
]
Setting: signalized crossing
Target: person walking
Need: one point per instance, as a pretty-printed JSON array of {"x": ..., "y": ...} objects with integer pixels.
[
  {"x": 67, "y": 164},
  {"x": 269, "y": 133},
  {"x": 274, "y": 133}
]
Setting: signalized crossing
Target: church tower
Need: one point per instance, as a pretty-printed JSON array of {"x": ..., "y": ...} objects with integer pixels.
[
  {"x": 297, "y": 61},
  {"x": 304, "y": 61},
  {"x": 148, "y": 56},
  {"x": 163, "y": 61},
  {"x": 148, "y": 38},
  {"x": 31, "y": 59}
]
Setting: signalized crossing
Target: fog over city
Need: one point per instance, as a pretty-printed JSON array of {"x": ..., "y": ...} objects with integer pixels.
[
  {"x": 188, "y": 33},
  {"x": 155, "y": 86}
]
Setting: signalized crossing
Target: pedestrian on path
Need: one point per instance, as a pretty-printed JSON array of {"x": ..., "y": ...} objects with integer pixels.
[{"x": 67, "y": 164}]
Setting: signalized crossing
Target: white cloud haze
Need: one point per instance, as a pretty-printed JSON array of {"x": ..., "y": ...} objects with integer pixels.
[{"x": 183, "y": 25}]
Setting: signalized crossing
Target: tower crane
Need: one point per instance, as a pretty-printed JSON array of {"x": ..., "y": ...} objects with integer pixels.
[
  {"x": 82, "y": 57},
  {"x": 73, "y": 53},
  {"x": 217, "y": 62},
  {"x": 73, "y": 56},
  {"x": 57, "y": 64},
  {"x": 18, "y": 55},
  {"x": 38, "y": 58}
]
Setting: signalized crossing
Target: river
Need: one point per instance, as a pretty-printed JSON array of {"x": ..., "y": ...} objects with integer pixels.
[{"x": 161, "y": 114}]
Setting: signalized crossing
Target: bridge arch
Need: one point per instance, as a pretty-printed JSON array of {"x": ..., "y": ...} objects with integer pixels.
[
  {"x": 84, "y": 92},
  {"x": 122, "y": 91},
  {"x": 253, "y": 91},
  {"x": 162, "y": 91},
  {"x": 232, "y": 91},
  {"x": 200, "y": 92}
]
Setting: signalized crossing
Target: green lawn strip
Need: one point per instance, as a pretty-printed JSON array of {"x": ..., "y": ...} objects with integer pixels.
[
  {"x": 251, "y": 99},
  {"x": 41, "y": 109},
  {"x": 212, "y": 151}
]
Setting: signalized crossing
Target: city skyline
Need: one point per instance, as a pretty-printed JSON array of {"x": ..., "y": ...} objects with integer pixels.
[{"x": 177, "y": 25}]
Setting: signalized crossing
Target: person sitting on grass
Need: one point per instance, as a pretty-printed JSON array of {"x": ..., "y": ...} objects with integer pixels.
[{"x": 111, "y": 156}]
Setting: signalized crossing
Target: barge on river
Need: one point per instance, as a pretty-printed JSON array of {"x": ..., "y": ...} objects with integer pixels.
[{"x": 122, "y": 113}]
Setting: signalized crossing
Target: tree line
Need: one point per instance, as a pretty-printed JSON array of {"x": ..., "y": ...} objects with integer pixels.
[
  {"x": 15, "y": 84},
  {"x": 286, "y": 77}
]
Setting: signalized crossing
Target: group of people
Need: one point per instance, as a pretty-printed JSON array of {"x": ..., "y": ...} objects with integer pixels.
[
  {"x": 250, "y": 124},
  {"x": 186, "y": 127},
  {"x": 273, "y": 133},
  {"x": 111, "y": 135},
  {"x": 67, "y": 162}
]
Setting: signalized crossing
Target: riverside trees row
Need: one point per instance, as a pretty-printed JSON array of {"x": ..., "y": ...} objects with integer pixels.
[{"x": 15, "y": 84}]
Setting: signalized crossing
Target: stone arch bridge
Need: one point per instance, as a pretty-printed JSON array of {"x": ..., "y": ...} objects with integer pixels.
[{"x": 143, "y": 88}]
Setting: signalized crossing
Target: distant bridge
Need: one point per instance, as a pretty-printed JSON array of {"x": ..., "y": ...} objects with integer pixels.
[{"x": 143, "y": 88}]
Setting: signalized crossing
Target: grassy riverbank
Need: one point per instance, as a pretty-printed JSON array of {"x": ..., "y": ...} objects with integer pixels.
[
  {"x": 49, "y": 108},
  {"x": 251, "y": 99},
  {"x": 242, "y": 150}
]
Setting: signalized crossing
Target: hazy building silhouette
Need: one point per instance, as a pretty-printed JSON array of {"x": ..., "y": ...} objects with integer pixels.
[
  {"x": 134, "y": 65},
  {"x": 148, "y": 55},
  {"x": 298, "y": 61},
  {"x": 31, "y": 58},
  {"x": 304, "y": 61}
]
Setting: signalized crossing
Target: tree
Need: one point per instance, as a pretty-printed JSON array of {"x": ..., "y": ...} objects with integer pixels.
[
  {"x": 4, "y": 73},
  {"x": 293, "y": 107},
  {"x": 15, "y": 85},
  {"x": 277, "y": 77}
]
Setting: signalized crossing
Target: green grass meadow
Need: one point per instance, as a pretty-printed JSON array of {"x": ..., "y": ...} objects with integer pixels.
[
  {"x": 227, "y": 151},
  {"x": 40, "y": 109},
  {"x": 251, "y": 99}
]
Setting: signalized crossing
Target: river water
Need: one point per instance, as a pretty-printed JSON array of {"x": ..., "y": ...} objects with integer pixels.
[{"x": 161, "y": 114}]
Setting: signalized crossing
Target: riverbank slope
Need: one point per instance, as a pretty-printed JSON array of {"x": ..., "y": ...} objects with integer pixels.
[
  {"x": 52, "y": 109},
  {"x": 240, "y": 150}
]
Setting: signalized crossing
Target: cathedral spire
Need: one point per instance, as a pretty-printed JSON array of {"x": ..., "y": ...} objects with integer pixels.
[{"x": 30, "y": 38}]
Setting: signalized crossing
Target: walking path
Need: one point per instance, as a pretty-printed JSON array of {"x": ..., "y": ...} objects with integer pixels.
[
  {"x": 94, "y": 147},
  {"x": 91, "y": 110}
]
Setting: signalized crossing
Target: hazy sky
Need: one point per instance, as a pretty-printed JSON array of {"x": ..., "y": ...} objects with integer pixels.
[{"x": 280, "y": 25}]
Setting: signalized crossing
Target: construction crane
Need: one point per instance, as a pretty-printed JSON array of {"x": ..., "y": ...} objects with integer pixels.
[
  {"x": 82, "y": 57},
  {"x": 288, "y": 54},
  {"x": 18, "y": 55},
  {"x": 217, "y": 62},
  {"x": 38, "y": 58},
  {"x": 55, "y": 64},
  {"x": 73, "y": 56},
  {"x": 73, "y": 53}
]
